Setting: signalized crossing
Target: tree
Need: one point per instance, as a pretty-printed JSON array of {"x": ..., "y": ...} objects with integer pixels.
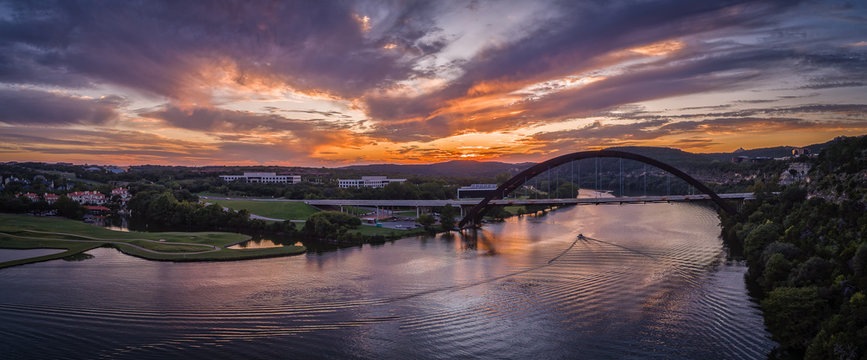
[
  {"x": 760, "y": 237},
  {"x": 162, "y": 208},
  {"x": 776, "y": 271},
  {"x": 12, "y": 204},
  {"x": 859, "y": 261},
  {"x": 67, "y": 207},
  {"x": 793, "y": 316},
  {"x": 566, "y": 190},
  {"x": 447, "y": 217},
  {"x": 502, "y": 177},
  {"x": 814, "y": 271},
  {"x": 839, "y": 337},
  {"x": 426, "y": 221},
  {"x": 329, "y": 224}
]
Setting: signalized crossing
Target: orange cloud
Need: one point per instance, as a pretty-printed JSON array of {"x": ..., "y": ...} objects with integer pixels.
[{"x": 661, "y": 48}]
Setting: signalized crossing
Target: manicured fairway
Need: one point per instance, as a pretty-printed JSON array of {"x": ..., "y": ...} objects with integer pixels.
[{"x": 31, "y": 232}]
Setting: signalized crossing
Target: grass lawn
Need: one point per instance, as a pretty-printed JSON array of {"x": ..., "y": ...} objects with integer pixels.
[
  {"x": 286, "y": 210},
  {"x": 72, "y": 248},
  {"x": 32, "y": 232},
  {"x": 210, "y": 194},
  {"x": 224, "y": 254}
]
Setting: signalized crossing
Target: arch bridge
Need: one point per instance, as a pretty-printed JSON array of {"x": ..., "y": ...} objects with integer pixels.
[{"x": 473, "y": 216}]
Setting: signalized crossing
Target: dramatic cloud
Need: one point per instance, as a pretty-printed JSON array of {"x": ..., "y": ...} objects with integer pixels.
[
  {"x": 332, "y": 82},
  {"x": 180, "y": 48},
  {"x": 22, "y": 106}
]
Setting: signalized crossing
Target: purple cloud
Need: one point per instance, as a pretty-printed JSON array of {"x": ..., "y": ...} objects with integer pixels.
[{"x": 34, "y": 107}]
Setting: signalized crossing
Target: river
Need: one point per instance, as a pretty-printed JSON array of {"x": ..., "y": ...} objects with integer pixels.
[{"x": 649, "y": 281}]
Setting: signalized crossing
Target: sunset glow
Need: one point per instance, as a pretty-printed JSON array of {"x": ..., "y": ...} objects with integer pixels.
[{"x": 331, "y": 84}]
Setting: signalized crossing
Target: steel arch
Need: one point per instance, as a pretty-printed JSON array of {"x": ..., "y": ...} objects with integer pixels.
[{"x": 510, "y": 185}]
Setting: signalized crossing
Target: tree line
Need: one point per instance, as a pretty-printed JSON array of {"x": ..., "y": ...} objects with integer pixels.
[
  {"x": 806, "y": 249},
  {"x": 164, "y": 209}
]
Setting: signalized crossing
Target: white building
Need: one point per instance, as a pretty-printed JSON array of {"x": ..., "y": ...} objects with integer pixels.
[
  {"x": 33, "y": 197},
  {"x": 367, "y": 181},
  {"x": 263, "y": 177},
  {"x": 476, "y": 191},
  {"x": 87, "y": 197},
  {"x": 123, "y": 193},
  {"x": 50, "y": 198}
]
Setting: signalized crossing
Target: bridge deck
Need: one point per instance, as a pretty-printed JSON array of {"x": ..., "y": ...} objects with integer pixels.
[{"x": 465, "y": 203}]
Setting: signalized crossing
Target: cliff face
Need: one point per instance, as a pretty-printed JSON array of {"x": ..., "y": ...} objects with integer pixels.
[{"x": 840, "y": 172}]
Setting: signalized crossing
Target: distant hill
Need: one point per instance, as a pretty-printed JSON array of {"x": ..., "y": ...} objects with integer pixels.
[
  {"x": 671, "y": 156},
  {"x": 772, "y": 152},
  {"x": 675, "y": 157},
  {"x": 455, "y": 168}
]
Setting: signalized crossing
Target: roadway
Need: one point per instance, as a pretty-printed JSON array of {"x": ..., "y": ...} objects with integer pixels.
[{"x": 473, "y": 202}]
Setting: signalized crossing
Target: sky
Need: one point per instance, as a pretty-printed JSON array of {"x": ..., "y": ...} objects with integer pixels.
[{"x": 334, "y": 83}]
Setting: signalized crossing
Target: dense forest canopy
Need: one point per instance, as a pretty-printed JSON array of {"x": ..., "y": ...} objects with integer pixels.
[{"x": 806, "y": 248}]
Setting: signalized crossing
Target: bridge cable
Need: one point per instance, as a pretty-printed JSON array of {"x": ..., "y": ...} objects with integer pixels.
[
  {"x": 621, "y": 177},
  {"x": 668, "y": 180}
]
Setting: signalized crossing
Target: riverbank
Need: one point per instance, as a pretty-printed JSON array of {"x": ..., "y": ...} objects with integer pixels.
[{"x": 31, "y": 232}]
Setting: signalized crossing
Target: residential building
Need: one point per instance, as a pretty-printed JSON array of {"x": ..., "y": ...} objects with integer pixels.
[
  {"x": 87, "y": 197},
  {"x": 263, "y": 177},
  {"x": 123, "y": 193},
  {"x": 476, "y": 191},
  {"x": 98, "y": 210},
  {"x": 800, "y": 151},
  {"x": 367, "y": 181},
  {"x": 50, "y": 198},
  {"x": 31, "y": 196},
  {"x": 795, "y": 173}
]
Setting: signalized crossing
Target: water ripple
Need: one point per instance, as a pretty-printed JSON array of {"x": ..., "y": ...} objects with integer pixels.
[{"x": 526, "y": 288}]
